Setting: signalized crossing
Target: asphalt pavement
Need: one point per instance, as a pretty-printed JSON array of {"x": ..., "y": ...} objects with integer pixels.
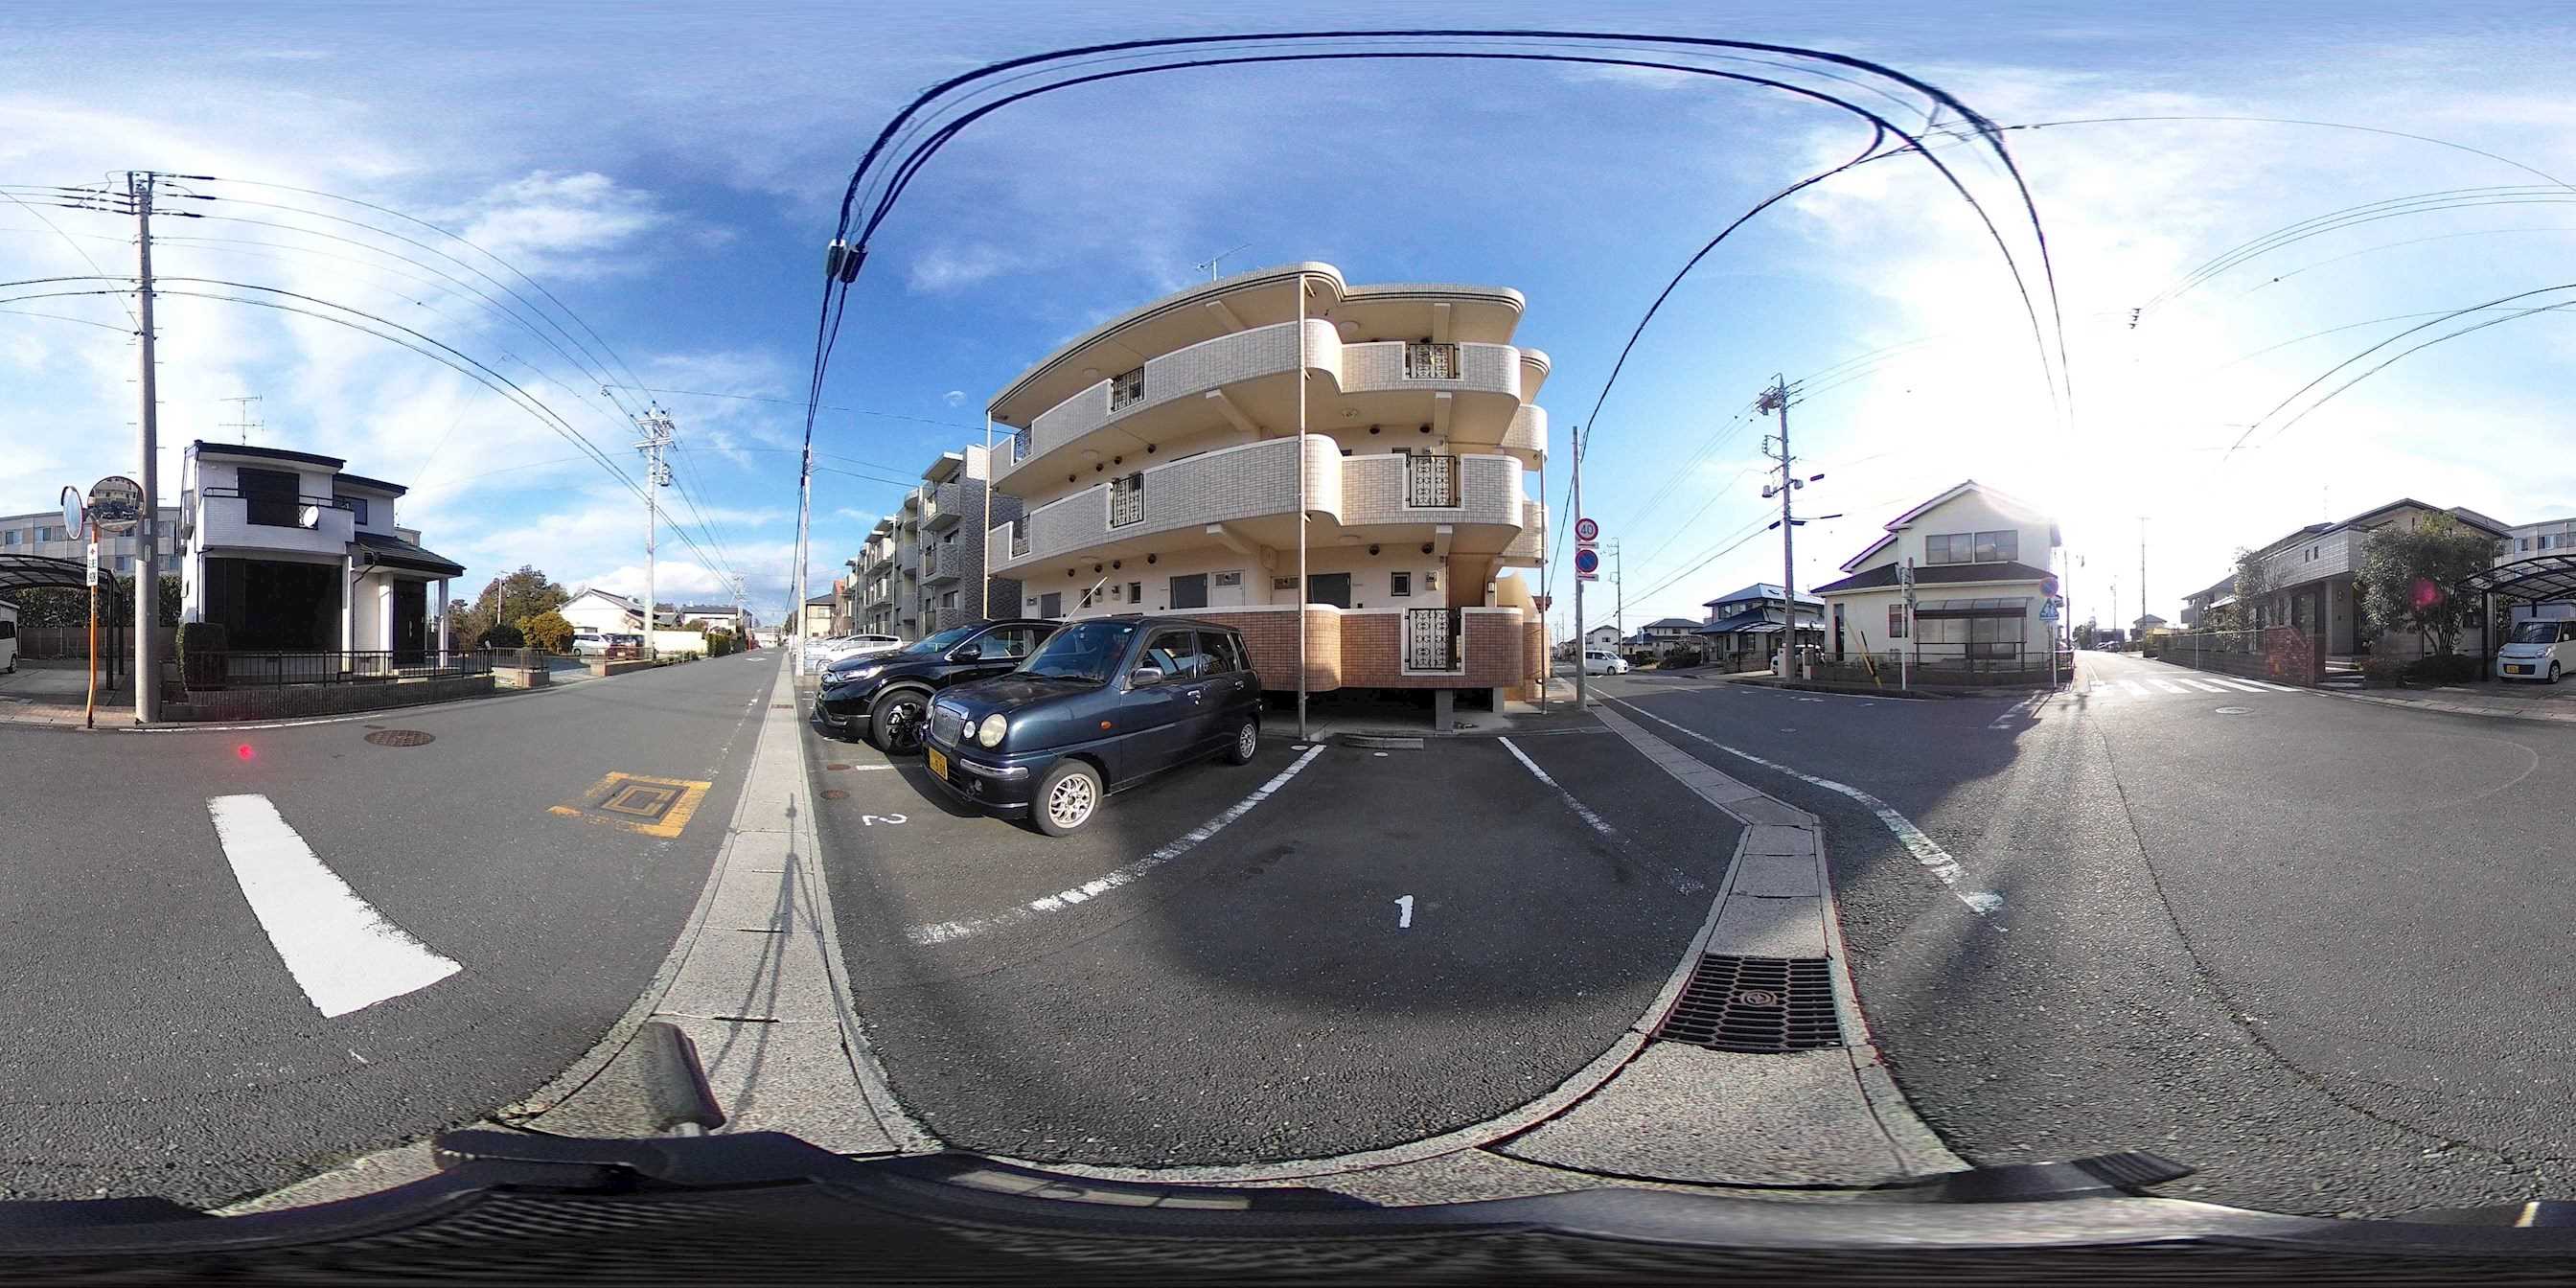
[
  {"x": 2304, "y": 943},
  {"x": 170, "y": 1022},
  {"x": 1392, "y": 944}
]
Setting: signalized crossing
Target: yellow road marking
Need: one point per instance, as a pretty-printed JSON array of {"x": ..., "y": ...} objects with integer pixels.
[{"x": 651, "y": 806}]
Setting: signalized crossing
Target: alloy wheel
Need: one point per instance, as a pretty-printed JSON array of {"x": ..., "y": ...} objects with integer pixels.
[{"x": 1072, "y": 801}]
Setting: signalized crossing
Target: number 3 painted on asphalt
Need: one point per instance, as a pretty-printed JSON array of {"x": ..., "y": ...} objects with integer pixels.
[{"x": 871, "y": 820}]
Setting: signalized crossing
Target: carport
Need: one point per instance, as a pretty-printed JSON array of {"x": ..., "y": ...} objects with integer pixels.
[
  {"x": 2539, "y": 579},
  {"x": 20, "y": 573}
]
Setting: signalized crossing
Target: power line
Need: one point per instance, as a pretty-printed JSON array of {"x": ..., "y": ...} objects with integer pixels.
[{"x": 799, "y": 402}]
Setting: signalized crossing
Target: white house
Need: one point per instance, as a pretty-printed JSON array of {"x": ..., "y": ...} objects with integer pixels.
[
  {"x": 723, "y": 617},
  {"x": 1979, "y": 559},
  {"x": 599, "y": 610},
  {"x": 1663, "y": 636},
  {"x": 291, "y": 553}
]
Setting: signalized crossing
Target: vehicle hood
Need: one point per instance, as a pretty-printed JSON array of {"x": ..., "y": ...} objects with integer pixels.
[
  {"x": 1013, "y": 694},
  {"x": 2523, "y": 650}
]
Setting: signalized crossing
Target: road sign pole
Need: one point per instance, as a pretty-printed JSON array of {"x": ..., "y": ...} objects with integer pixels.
[
  {"x": 1582, "y": 644},
  {"x": 1905, "y": 650},
  {"x": 89, "y": 707}
]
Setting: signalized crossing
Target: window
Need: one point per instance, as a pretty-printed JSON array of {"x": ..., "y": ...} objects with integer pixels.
[
  {"x": 1127, "y": 389},
  {"x": 948, "y": 600},
  {"x": 1399, "y": 585},
  {"x": 1220, "y": 654},
  {"x": 1086, "y": 596},
  {"x": 1430, "y": 362},
  {"x": 270, "y": 497},
  {"x": 1896, "y": 621},
  {"x": 1226, "y": 580},
  {"x": 1177, "y": 652},
  {"x": 355, "y": 505},
  {"x": 1972, "y": 547},
  {"x": 1936, "y": 549},
  {"x": 2519, "y": 544},
  {"x": 124, "y": 562},
  {"x": 1136, "y": 592},
  {"x": 1127, "y": 500},
  {"x": 9, "y": 538},
  {"x": 1998, "y": 547},
  {"x": 1190, "y": 591}
]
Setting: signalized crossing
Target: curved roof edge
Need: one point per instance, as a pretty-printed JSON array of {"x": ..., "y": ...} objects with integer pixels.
[{"x": 1256, "y": 277}]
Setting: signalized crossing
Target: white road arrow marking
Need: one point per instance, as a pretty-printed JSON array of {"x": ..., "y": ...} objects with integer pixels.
[{"x": 341, "y": 951}]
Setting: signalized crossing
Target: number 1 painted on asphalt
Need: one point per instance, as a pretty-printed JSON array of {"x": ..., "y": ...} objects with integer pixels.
[{"x": 1404, "y": 913}]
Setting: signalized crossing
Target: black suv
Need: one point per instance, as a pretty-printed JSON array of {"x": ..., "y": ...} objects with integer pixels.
[
  {"x": 1103, "y": 704},
  {"x": 884, "y": 695}
]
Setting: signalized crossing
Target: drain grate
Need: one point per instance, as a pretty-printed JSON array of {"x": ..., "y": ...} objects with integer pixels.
[
  {"x": 402, "y": 738},
  {"x": 1768, "y": 1005},
  {"x": 834, "y": 794}
]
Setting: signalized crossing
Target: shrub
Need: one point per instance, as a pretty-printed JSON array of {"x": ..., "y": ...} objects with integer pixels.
[
  {"x": 201, "y": 645},
  {"x": 1681, "y": 658},
  {"x": 2442, "y": 668},
  {"x": 547, "y": 630},
  {"x": 719, "y": 643},
  {"x": 502, "y": 636}
]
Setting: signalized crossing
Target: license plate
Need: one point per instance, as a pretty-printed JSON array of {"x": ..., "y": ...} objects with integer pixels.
[
  {"x": 938, "y": 763},
  {"x": 2517, "y": 670}
]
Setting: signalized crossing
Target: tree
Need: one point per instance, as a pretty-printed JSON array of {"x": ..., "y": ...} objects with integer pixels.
[
  {"x": 2255, "y": 582},
  {"x": 547, "y": 630},
  {"x": 513, "y": 597},
  {"x": 2407, "y": 575}
]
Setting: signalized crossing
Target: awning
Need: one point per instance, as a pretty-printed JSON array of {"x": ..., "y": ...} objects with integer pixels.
[
  {"x": 2539, "y": 578},
  {"x": 1973, "y": 607},
  {"x": 394, "y": 552},
  {"x": 41, "y": 572}
]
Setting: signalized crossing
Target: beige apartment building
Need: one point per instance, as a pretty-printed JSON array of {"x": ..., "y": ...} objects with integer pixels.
[
  {"x": 1161, "y": 458},
  {"x": 923, "y": 569}
]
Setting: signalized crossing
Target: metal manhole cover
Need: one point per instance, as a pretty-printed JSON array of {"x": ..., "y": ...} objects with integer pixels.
[
  {"x": 402, "y": 738},
  {"x": 835, "y": 765},
  {"x": 1768, "y": 1005},
  {"x": 835, "y": 794}
]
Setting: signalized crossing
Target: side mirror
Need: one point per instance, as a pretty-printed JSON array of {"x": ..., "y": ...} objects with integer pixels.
[
  {"x": 967, "y": 653},
  {"x": 1144, "y": 676}
]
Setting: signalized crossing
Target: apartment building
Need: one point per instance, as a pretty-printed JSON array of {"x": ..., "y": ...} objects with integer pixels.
[
  {"x": 290, "y": 552},
  {"x": 923, "y": 569},
  {"x": 43, "y": 534},
  {"x": 1162, "y": 455}
]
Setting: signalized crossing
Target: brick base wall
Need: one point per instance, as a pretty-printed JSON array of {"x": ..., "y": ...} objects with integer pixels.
[
  {"x": 320, "y": 699},
  {"x": 1366, "y": 650}
]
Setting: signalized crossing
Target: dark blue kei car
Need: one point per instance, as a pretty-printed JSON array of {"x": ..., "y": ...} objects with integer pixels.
[{"x": 1103, "y": 704}]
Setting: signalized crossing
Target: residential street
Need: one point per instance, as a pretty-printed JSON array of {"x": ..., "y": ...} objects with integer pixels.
[
  {"x": 166, "y": 1031},
  {"x": 2303, "y": 943}
]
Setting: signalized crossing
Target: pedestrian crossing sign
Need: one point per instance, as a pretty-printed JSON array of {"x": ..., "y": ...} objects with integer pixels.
[{"x": 2048, "y": 610}]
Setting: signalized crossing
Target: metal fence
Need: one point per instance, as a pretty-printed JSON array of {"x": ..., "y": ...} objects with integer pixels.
[
  {"x": 268, "y": 669},
  {"x": 1431, "y": 480}
]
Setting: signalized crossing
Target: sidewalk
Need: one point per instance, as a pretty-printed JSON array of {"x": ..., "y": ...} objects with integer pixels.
[{"x": 2494, "y": 698}]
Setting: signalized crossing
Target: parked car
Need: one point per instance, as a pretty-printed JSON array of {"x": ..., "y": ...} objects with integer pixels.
[
  {"x": 2537, "y": 650},
  {"x": 8, "y": 639},
  {"x": 844, "y": 646},
  {"x": 1600, "y": 662},
  {"x": 1104, "y": 704},
  {"x": 883, "y": 697},
  {"x": 589, "y": 643}
]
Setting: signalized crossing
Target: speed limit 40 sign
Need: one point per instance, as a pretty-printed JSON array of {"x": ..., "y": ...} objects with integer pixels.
[{"x": 1586, "y": 530}]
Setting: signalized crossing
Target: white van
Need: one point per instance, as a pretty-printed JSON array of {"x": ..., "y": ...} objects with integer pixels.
[
  {"x": 1598, "y": 662},
  {"x": 2538, "y": 650},
  {"x": 8, "y": 639}
]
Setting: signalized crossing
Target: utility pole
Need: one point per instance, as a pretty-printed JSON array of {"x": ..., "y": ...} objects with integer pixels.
[
  {"x": 1582, "y": 643},
  {"x": 656, "y": 424},
  {"x": 2142, "y": 565},
  {"x": 243, "y": 418},
  {"x": 147, "y": 538},
  {"x": 1619, "y": 579},
  {"x": 1778, "y": 398}
]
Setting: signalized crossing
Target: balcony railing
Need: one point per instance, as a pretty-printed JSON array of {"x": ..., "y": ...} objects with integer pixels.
[
  {"x": 280, "y": 509},
  {"x": 1127, "y": 500},
  {"x": 1430, "y": 480},
  {"x": 1431, "y": 640},
  {"x": 1019, "y": 538},
  {"x": 1127, "y": 389},
  {"x": 1019, "y": 444},
  {"x": 1431, "y": 362}
]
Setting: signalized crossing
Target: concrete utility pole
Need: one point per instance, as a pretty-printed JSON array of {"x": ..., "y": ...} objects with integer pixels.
[
  {"x": 1619, "y": 581},
  {"x": 147, "y": 538},
  {"x": 1582, "y": 645},
  {"x": 2142, "y": 565},
  {"x": 657, "y": 428},
  {"x": 1302, "y": 588}
]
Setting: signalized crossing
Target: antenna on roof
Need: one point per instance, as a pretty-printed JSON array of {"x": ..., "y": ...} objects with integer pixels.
[{"x": 1211, "y": 262}]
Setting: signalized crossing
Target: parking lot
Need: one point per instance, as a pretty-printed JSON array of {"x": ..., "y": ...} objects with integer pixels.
[{"x": 1332, "y": 949}]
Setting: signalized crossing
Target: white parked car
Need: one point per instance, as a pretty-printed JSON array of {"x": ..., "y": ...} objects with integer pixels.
[
  {"x": 824, "y": 652},
  {"x": 8, "y": 639},
  {"x": 2537, "y": 650},
  {"x": 1600, "y": 662}
]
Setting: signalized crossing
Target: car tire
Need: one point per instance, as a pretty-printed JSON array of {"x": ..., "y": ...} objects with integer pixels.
[
  {"x": 2553, "y": 673},
  {"x": 1240, "y": 749},
  {"x": 896, "y": 718},
  {"x": 1067, "y": 798}
]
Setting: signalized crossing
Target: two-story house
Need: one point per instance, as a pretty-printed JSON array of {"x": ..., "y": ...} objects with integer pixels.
[
  {"x": 1745, "y": 628},
  {"x": 290, "y": 552},
  {"x": 1980, "y": 559},
  {"x": 2311, "y": 575},
  {"x": 1663, "y": 637},
  {"x": 1178, "y": 458}
]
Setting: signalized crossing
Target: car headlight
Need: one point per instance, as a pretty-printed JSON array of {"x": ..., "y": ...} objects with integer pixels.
[{"x": 990, "y": 732}]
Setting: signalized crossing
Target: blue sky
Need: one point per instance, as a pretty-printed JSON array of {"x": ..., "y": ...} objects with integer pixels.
[{"x": 669, "y": 172}]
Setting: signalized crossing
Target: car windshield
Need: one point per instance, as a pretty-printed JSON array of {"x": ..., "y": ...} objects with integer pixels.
[
  {"x": 2537, "y": 633},
  {"x": 1083, "y": 651},
  {"x": 939, "y": 643}
]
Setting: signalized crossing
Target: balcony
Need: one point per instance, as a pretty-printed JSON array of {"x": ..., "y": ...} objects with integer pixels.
[
  {"x": 1527, "y": 435},
  {"x": 228, "y": 519},
  {"x": 943, "y": 563},
  {"x": 944, "y": 505},
  {"x": 1167, "y": 397},
  {"x": 1252, "y": 491}
]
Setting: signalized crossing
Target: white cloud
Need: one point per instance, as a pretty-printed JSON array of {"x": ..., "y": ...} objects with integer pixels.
[
  {"x": 557, "y": 224},
  {"x": 954, "y": 398}
]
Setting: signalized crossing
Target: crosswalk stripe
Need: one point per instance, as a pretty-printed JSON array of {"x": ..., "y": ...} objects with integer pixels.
[
  {"x": 341, "y": 951},
  {"x": 2166, "y": 685},
  {"x": 2239, "y": 685},
  {"x": 2135, "y": 688},
  {"x": 2202, "y": 685},
  {"x": 2277, "y": 688}
]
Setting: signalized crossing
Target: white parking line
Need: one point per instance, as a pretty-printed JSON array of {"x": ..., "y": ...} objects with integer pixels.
[
  {"x": 1925, "y": 850},
  {"x": 949, "y": 931},
  {"x": 341, "y": 951},
  {"x": 1674, "y": 877}
]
